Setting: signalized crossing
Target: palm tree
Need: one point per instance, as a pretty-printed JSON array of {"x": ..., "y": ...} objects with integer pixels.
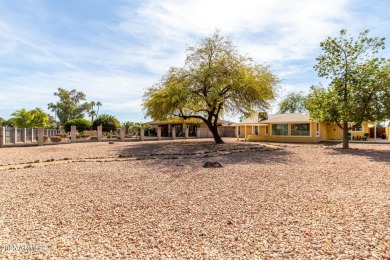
[
  {"x": 91, "y": 111},
  {"x": 98, "y": 104}
]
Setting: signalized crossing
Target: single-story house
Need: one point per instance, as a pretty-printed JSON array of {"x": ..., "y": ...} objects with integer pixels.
[
  {"x": 196, "y": 128},
  {"x": 294, "y": 127}
]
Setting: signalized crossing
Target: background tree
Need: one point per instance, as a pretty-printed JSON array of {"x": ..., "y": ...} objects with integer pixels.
[
  {"x": 70, "y": 106},
  {"x": 109, "y": 123},
  {"x": 129, "y": 126},
  {"x": 98, "y": 104},
  {"x": 91, "y": 109},
  {"x": 81, "y": 124},
  {"x": 2, "y": 122},
  {"x": 358, "y": 80},
  {"x": 30, "y": 118},
  {"x": 215, "y": 81},
  {"x": 295, "y": 102}
]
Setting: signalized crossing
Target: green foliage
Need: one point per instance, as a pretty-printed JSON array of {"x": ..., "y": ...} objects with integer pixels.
[
  {"x": 80, "y": 123},
  {"x": 70, "y": 105},
  {"x": 129, "y": 126},
  {"x": 215, "y": 81},
  {"x": 109, "y": 123},
  {"x": 359, "y": 82},
  {"x": 29, "y": 118},
  {"x": 295, "y": 102},
  {"x": 2, "y": 121}
]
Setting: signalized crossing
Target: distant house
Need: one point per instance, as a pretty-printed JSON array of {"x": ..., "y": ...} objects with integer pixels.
[
  {"x": 292, "y": 128},
  {"x": 196, "y": 128}
]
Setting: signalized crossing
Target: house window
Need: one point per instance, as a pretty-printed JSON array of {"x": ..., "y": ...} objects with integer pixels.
[
  {"x": 256, "y": 130},
  {"x": 357, "y": 128},
  {"x": 300, "y": 129},
  {"x": 280, "y": 129},
  {"x": 317, "y": 129}
]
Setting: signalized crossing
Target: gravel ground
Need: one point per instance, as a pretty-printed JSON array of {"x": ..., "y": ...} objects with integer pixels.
[{"x": 297, "y": 201}]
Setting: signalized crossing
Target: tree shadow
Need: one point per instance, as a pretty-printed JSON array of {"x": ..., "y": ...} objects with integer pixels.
[
  {"x": 230, "y": 152},
  {"x": 377, "y": 155}
]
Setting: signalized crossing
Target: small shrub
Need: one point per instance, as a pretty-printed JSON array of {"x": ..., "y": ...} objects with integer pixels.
[
  {"x": 78, "y": 136},
  {"x": 85, "y": 135},
  {"x": 45, "y": 138},
  {"x": 56, "y": 139},
  {"x": 108, "y": 135},
  {"x": 108, "y": 122},
  {"x": 80, "y": 123},
  {"x": 94, "y": 138}
]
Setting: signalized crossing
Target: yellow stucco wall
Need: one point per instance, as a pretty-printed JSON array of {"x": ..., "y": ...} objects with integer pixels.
[
  {"x": 313, "y": 138},
  {"x": 334, "y": 132},
  {"x": 327, "y": 132}
]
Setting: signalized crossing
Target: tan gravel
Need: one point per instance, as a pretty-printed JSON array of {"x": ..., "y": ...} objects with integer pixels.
[{"x": 299, "y": 201}]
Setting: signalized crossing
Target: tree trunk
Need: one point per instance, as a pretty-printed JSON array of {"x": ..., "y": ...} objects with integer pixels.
[
  {"x": 217, "y": 138},
  {"x": 345, "y": 136},
  {"x": 214, "y": 131}
]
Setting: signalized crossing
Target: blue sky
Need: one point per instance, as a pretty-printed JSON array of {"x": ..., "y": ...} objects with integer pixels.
[{"x": 113, "y": 50}]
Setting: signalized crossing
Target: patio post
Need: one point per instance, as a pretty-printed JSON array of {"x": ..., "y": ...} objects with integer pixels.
[
  {"x": 186, "y": 130},
  {"x": 158, "y": 133},
  {"x": 141, "y": 134},
  {"x": 173, "y": 133}
]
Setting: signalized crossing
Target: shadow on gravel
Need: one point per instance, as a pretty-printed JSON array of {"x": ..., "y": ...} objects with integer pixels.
[
  {"x": 370, "y": 154},
  {"x": 237, "y": 152}
]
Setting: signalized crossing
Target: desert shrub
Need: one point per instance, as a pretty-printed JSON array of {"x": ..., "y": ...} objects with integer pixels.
[
  {"x": 94, "y": 138},
  {"x": 85, "y": 135},
  {"x": 45, "y": 138},
  {"x": 80, "y": 123},
  {"x": 108, "y": 122},
  {"x": 56, "y": 139}
]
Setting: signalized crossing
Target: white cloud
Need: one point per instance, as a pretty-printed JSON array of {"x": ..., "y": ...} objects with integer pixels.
[{"x": 124, "y": 58}]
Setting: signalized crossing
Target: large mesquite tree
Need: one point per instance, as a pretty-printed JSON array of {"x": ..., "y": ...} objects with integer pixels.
[
  {"x": 359, "y": 82},
  {"x": 215, "y": 81}
]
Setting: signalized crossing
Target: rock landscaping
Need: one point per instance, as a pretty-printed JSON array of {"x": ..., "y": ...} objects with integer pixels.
[{"x": 156, "y": 200}]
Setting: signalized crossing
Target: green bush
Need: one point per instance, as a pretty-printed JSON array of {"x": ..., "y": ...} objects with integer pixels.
[
  {"x": 109, "y": 123},
  {"x": 80, "y": 123},
  {"x": 56, "y": 139}
]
